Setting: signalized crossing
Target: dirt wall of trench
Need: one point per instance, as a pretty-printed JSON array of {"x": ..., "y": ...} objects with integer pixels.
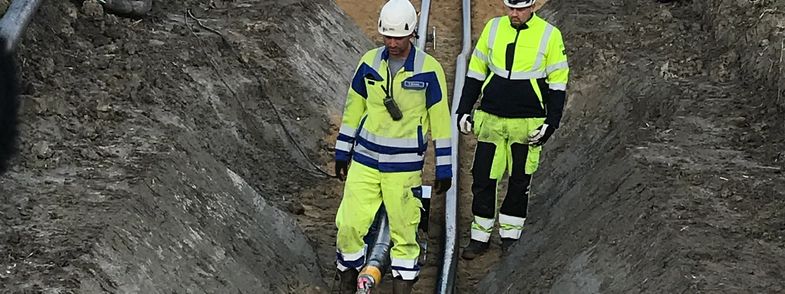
[
  {"x": 665, "y": 176},
  {"x": 151, "y": 159}
]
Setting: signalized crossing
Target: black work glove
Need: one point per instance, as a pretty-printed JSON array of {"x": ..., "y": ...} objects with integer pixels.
[
  {"x": 541, "y": 135},
  {"x": 341, "y": 169},
  {"x": 441, "y": 186}
]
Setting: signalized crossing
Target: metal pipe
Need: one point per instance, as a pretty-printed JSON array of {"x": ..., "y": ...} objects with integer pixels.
[
  {"x": 15, "y": 20},
  {"x": 422, "y": 26},
  {"x": 446, "y": 284}
]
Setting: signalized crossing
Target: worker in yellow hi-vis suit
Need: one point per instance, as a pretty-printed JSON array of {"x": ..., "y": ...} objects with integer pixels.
[
  {"x": 397, "y": 95},
  {"x": 520, "y": 66}
]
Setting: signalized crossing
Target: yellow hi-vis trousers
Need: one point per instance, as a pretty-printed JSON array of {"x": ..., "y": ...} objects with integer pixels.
[
  {"x": 365, "y": 190},
  {"x": 502, "y": 146},
  {"x": 503, "y": 132}
]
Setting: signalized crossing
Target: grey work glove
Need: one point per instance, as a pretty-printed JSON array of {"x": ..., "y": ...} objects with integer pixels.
[
  {"x": 465, "y": 123},
  {"x": 540, "y": 135}
]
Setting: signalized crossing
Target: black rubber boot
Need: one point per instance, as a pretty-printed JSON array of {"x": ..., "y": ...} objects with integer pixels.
[
  {"x": 348, "y": 281},
  {"x": 475, "y": 248},
  {"x": 507, "y": 243},
  {"x": 402, "y": 286}
]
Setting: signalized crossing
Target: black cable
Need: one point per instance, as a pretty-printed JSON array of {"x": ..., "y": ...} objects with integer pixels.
[{"x": 259, "y": 82}]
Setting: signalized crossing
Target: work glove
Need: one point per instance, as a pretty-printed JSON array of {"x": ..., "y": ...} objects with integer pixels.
[
  {"x": 465, "y": 124},
  {"x": 541, "y": 135},
  {"x": 441, "y": 186},
  {"x": 341, "y": 169}
]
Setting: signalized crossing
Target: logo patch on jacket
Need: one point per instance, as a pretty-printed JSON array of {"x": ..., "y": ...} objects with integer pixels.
[{"x": 414, "y": 85}]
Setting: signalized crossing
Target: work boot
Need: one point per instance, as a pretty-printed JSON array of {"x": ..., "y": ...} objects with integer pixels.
[
  {"x": 507, "y": 243},
  {"x": 402, "y": 286},
  {"x": 475, "y": 248},
  {"x": 349, "y": 281}
]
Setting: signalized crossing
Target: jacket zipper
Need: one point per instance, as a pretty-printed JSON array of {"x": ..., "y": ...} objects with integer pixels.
[{"x": 514, "y": 46}]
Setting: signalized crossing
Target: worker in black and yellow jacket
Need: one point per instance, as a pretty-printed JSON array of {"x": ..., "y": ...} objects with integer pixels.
[{"x": 519, "y": 65}]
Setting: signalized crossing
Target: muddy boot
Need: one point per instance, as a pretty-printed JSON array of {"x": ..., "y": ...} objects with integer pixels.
[
  {"x": 475, "y": 248},
  {"x": 507, "y": 243},
  {"x": 402, "y": 286},
  {"x": 348, "y": 282}
]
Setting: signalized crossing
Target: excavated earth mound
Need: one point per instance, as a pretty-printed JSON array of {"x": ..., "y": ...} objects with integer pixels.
[{"x": 151, "y": 157}]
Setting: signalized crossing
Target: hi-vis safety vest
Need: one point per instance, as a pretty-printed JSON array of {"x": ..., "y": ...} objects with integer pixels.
[
  {"x": 371, "y": 137},
  {"x": 517, "y": 68}
]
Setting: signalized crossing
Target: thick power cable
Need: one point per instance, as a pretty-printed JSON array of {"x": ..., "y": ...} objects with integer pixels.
[{"x": 15, "y": 20}]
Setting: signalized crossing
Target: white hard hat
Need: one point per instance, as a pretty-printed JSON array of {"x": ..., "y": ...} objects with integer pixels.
[
  {"x": 398, "y": 18},
  {"x": 518, "y": 3}
]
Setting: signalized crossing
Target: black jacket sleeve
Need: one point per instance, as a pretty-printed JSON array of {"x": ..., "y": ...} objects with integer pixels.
[
  {"x": 469, "y": 95},
  {"x": 554, "y": 106}
]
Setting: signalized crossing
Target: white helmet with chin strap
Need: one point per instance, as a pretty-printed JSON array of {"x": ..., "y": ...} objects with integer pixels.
[
  {"x": 518, "y": 3},
  {"x": 398, "y": 18}
]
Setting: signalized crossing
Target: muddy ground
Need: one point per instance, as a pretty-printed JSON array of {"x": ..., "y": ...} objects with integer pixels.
[{"x": 152, "y": 161}]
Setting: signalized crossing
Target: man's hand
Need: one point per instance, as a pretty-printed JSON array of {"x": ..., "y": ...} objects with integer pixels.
[
  {"x": 441, "y": 186},
  {"x": 541, "y": 135},
  {"x": 465, "y": 124},
  {"x": 341, "y": 169}
]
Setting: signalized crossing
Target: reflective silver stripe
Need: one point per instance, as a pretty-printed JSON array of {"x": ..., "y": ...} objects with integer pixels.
[
  {"x": 389, "y": 158},
  {"x": 527, "y": 75},
  {"x": 443, "y": 160},
  {"x": 480, "y": 235},
  {"x": 498, "y": 71},
  {"x": 403, "y": 263},
  {"x": 348, "y": 130},
  {"x": 511, "y": 220},
  {"x": 390, "y": 142},
  {"x": 543, "y": 46},
  {"x": 377, "y": 60},
  {"x": 517, "y": 75},
  {"x": 492, "y": 34},
  {"x": 480, "y": 55},
  {"x": 510, "y": 234},
  {"x": 555, "y": 67},
  {"x": 353, "y": 256},
  {"x": 406, "y": 269},
  {"x": 419, "y": 61},
  {"x": 341, "y": 267},
  {"x": 475, "y": 75},
  {"x": 560, "y": 87},
  {"x": 486, "y": 223},
  {"x": 441, "y": 143},
  {"x": 343, "y": 146},
  {"x": 399, "y": 158}
]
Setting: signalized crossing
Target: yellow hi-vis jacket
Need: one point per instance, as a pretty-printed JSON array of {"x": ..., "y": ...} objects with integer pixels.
[
  {"x": 371, "y": 137},
  {"x": 522, "y": 72}
]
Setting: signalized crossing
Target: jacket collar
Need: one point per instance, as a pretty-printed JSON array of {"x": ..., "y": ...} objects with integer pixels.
[{"x": 409, "y": 64}]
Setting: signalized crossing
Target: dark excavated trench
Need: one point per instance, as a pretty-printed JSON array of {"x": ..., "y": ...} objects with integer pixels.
[{"x": 151, "y": 161}]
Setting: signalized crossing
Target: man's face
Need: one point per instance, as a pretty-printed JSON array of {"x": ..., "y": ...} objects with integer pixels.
[
  {"x": 518, "y": 16},
  {"x": 397, "y": 46}
]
